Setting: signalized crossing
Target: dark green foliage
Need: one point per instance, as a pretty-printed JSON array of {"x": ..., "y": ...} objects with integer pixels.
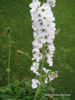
[
  {"x": 18, "y": 91},
  {"x": 23, "y": 91}
]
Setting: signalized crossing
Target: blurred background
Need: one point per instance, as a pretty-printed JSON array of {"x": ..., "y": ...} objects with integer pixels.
[{"x": 14, "y": 14}]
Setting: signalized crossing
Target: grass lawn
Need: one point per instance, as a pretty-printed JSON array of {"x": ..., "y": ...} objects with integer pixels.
[{"x": 14, "y": 14}]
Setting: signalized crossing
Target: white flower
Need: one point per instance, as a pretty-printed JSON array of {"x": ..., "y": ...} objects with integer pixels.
[
  {"x": 37, "y": 44},
  {"x": 35, "y": 83},
  {"x": 51, "y": 2},
  {"x": 51, "y": 77},
  {"x": 37, "y": 73},
  {"x": 35, "y": 50},
  {"x": 46, "y": 70},
  {"x": 44, "y": 34},
  {"x": 49, "y": 60},
  {"x": 46, "y": 80},
  {"x": 35, "y": 67},
  {"x": 51, "y": 47},
  {"x": 34, "y": 15},
  {"x": 37, "y": 57},
  {"x": 35, "y": 4},
  {"x": 45, "y": 12},
  {"x": 44, "y": 31}
]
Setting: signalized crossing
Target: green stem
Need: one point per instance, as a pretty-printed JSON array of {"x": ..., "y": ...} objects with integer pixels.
[
  {"x": 9, "y": 55},
  {"x": 37, "y": 91},
  {"x": 27, "y": 56},
  {"x": 43, "y": 51}
]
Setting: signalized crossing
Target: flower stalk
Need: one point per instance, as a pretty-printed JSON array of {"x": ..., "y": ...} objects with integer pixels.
[
  {"x": 9, "y": 56},
  {"x": 40, "y": 78},
  {"x": 43, "y": 24}
]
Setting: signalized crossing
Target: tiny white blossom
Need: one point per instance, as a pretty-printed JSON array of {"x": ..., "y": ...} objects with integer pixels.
[
  {"x": 52, "y": 77},
  {"x": 35, "y": 67},
  {"x": 35, "y": 4},
  {"x": 35, "y": 83},
  {"x": 46, "y": 70},
  {"x": 51, "y": 2},
  {"x": 37, "y": 73},
  {"x": 49, "y": 61},
  {"x": 46, "y": 80}
]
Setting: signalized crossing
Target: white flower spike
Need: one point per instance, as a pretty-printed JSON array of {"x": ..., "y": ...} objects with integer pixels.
[{"x": 44, "y": 34}]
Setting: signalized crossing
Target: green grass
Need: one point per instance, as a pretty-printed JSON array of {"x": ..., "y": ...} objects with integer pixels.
[{"x": 15, "y": 14}]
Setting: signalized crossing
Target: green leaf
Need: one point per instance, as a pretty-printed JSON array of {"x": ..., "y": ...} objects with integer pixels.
[
  {"x": 4, "y": 89},
  {"x": 65, "y": 98},
  {"x": 55, "y": 98},
  {"x": 51, "y": 89}
]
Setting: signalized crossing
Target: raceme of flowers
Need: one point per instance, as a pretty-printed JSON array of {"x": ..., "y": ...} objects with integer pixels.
[{"x": 44, "y": 34}]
